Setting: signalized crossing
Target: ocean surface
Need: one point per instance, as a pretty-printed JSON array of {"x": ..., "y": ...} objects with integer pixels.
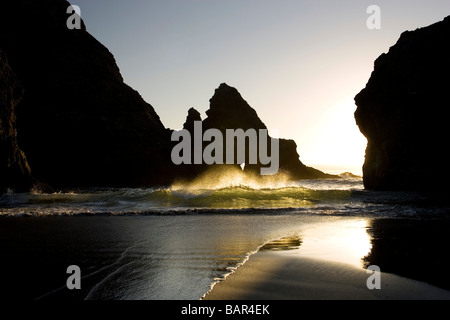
[
  {"x": 323, "y": 196},
  {"x": 177, "y": 242}
]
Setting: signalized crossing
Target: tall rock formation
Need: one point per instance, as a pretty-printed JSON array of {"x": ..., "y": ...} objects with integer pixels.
[
  {"x": 15, "y": 173},
  {"x": 229, "y": 110},
  {"x": 190, "y": 171},
  {"x": 79, "y": 124},
  {"x": 403, "y": 113}
]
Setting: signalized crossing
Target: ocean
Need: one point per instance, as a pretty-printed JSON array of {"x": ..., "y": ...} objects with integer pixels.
[{"x": 177, "y": 242}]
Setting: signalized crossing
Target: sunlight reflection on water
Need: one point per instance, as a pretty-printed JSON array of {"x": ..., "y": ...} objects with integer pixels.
[{"x": 345, "y": 241}]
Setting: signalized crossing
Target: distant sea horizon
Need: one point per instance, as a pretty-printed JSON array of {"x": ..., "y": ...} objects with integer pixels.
[{"x": 338, "y": 168}]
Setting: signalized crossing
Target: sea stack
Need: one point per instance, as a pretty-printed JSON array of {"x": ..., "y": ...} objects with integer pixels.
[
  {"x": 403, "y": 112},
  {"x": 229, "y": 110}
]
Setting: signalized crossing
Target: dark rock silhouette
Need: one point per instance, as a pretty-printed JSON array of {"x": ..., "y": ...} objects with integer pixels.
[
  {"x": 228, "y": 110},
  {"x": 193, "y": 115},
  {"x": 79, "y": 124},
  {"x": 403, "y": 113},
  {"x": 186, "y": 172},
  {"x": 15, "y": 172}
]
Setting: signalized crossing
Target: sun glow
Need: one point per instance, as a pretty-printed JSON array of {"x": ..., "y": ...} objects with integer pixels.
[{"x": 337, "y": 140}]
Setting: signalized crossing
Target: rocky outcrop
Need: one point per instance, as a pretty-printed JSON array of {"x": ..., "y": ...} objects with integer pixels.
[
  {"x": 193, "y": 115},
  {"x": 403, "y": 113},
  {"x": 15, "y": 174},
  {"x": 187, "y": 172},
  {"x": 79, "y": 124},
  {"x": 228, "y": 110}
]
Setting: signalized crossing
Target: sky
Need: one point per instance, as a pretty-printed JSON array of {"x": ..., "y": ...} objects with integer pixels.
[{"x": 298, "y": 63}]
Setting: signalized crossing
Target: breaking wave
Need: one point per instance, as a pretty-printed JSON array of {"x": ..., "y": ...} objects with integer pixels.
[{"x": 227, "y": 195}]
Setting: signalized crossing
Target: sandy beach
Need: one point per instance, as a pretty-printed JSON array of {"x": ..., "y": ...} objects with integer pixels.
[
  {"x": 329, "y": 261},
  {"x": 271, "y": 275}
]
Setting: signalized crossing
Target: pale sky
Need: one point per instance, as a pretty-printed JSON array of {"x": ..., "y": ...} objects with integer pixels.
[{"x": 298, "y": 63}]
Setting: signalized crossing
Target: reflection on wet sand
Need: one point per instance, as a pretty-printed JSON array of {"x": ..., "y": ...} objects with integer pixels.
[
  {"x": 342, "y": 240},
  {"x": 286, "y": 243},
  {"x": 410, "y": 248}
]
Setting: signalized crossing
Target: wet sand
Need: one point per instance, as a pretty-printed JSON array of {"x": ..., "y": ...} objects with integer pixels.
[{"x": 271, "y": 275}]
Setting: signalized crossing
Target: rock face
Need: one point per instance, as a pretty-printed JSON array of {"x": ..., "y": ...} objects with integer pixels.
[
  {"x": 403, "y": 113},
  {"x": 228, "y": 110},
  {"x": 79, "y": 124},
  {"x": 14, "y": 170}
]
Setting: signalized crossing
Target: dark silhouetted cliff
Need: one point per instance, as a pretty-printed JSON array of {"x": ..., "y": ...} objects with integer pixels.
[
  {"x": 403, "y": 113},
  {"x": 14, "y": 170},
  {"x": 228, "y": 110},
  {"x": 79, "y": 124}
]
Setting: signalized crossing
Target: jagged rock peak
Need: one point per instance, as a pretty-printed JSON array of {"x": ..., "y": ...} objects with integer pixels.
[
  {"x": 193, "y": 115},
  {"x": 229, "y": 110}
]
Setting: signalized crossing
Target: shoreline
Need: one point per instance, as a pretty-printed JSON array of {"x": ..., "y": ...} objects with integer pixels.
[{"x": 271, "y": 275}]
